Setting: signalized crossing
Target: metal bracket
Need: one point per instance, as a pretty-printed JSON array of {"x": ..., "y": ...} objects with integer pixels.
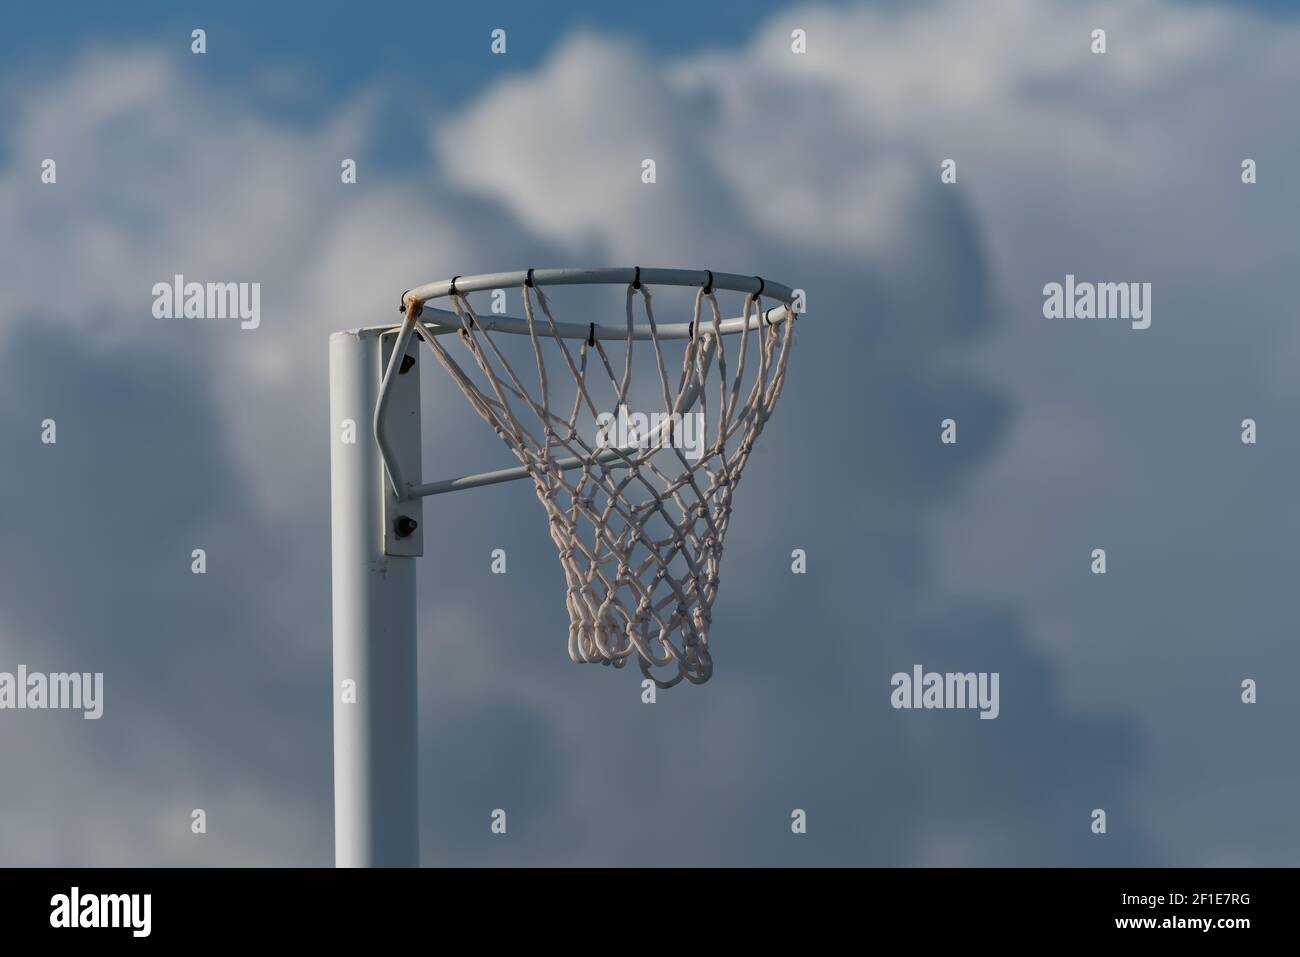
[{"x": 404, "y": 520}]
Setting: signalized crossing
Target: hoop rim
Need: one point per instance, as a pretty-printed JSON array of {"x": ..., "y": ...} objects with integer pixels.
[
  {"x": 443, "y": 322},
  {"x": 603, "y": 276}
]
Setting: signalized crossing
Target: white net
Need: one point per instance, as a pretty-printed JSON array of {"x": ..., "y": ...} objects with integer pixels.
[{"x": 640, "y": 519}]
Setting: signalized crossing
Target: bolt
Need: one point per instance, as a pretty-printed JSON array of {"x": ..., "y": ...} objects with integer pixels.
[
  {"x": 408, "y": 361},
  {"x": 405, "y": 526}
]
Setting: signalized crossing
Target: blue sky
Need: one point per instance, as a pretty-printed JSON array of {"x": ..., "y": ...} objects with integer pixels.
[
  {"x": 420, "y": 51},
  {"x": 423, "y": 51}
]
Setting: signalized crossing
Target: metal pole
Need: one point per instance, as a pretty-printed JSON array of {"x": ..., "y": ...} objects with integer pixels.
[{"x": 376, "y": 821}]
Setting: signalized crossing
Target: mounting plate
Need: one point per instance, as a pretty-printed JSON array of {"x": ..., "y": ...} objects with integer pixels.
[{"x": 401, "y": 539}]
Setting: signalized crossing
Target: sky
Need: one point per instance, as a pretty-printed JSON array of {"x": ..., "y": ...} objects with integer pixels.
[{"x": 1119, "y": 692}]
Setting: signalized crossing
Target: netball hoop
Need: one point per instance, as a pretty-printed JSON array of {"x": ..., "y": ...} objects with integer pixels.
[{"x": 638, "y": 512}]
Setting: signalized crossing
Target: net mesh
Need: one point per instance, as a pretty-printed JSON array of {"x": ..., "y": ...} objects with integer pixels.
[{"x": 640, "y": 521}]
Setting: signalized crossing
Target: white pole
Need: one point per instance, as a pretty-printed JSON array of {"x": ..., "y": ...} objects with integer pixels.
[{"x": 376, "y": 821}]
